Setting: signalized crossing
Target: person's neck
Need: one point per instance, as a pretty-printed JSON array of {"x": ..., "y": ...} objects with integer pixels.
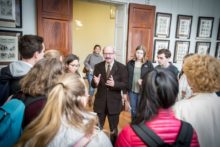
[
  {"x": 30, "y": 61},
  {"x": 138, "y": 61},
  {"x": 166, "y": 65},
  {"x": 97, "y": 54},
  {"x": 109, "y": 62}
]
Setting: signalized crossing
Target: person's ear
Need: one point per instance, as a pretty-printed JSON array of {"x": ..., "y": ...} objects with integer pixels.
[
  {"x": 61, "y": 58},
  {"x": 36, "y": 55}
]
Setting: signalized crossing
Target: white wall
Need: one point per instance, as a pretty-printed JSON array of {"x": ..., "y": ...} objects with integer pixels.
[{"x": 29, "y": 20}]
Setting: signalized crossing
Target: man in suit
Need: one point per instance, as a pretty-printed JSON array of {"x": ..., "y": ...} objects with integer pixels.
[{"x": 110, "y": 78}]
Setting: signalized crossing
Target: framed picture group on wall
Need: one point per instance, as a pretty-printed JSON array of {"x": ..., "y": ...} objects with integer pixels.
[
  {"x": 203, "y": 48},
  {"x": 159, "y": 44},
  {"x": 183, "y": 34},
  {"x": 163, "y": 22},
  {"x": 11, "y": 13},
  {"x": 218, "y": 35},
  {"x": 205, "y": 25},
  {"x": 217, "y": 51},
  {"x": 183, "y": 28},
  {"x": 181, "y": 49},
  {"x": 9, "y": 46}
]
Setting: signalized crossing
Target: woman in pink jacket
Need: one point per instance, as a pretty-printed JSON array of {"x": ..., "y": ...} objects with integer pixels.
[{"x": 160, "y": 89}]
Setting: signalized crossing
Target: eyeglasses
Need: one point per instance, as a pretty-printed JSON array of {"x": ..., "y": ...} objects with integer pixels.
[
  {"x": 74, "y": 65},
  {"x": 108, "y": 54}
]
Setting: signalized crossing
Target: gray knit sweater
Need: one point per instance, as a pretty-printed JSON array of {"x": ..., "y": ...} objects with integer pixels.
[{"x": 91, "y": 60}]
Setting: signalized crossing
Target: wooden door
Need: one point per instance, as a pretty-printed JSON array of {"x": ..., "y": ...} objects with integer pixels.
[
  {"x": 140, "y": 28},
  {"x": 54, "y": 19}
]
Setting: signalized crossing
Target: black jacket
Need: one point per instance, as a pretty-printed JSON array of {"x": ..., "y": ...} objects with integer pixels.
[
  {"x": 8, "y": 84},
  {"x": 145, "y": 68},
  {"x": 109, "y": 97}
]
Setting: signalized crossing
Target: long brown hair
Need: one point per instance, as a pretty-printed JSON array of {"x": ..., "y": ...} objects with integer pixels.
[
  {"x": 64, "y": 103},
  {"x": 140, "y": 47},
  {"x": 41, "y": 76}
]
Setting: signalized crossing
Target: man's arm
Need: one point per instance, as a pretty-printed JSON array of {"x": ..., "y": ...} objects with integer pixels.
[{"x": 123, "y": 83}]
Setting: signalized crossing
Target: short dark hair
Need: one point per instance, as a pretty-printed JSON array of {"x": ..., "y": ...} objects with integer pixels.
[
  {"x": 166, "y": 52},
  {"x": 97, "y": 45},
  {"x": 29, "y": 44},
  {"x": 160, "y": 89},
  {"x": 70, "y": 58}
]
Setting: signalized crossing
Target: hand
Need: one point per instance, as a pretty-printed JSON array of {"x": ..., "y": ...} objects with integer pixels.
[
  {"x": 110, "y": 82},
  {"x": 140, "y": 82},
  {"x": 97, "y": 79},
  {"x": 124, "y": 98}
]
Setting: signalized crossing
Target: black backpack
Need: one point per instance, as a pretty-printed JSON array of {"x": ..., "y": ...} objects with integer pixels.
[
  {"x": 153, "y": 140},
  {"x": 4, "y": 90}
]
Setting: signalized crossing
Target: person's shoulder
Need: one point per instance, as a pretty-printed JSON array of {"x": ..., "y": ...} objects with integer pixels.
[
  {"x": 183, "y": 105},
  {"x": 100, "y": 63},
  {"x": 147, "y": 63},
  {"x": 127, "y": 129},
  {"x": 5, "y": 72},
  {"x": 100, "y": 139},
  {"x": 131, "y": 61},
  {"x": 125, "y": 136},
  {"x": 158, "y": 66},
  {"x": 173, "y": 66},
  {"x": 119, "y": 64}
]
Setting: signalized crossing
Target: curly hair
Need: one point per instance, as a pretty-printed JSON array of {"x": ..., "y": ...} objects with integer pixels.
[{"x": 203, "y": 73}]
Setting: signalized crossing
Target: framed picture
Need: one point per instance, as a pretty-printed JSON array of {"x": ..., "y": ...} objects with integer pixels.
[
  {"x": 181, "y": 49},
  {"x": 218, "y": 35},
  {"x": 163, "y": 22},
  {"x": 205, "y": 25},
  {"x": 159, "y": 44},
  {"x": 183, "y": 29},
  {"x": 203, "y": 48},
  {"x": 217, "y": 51},
  {"x": 11, "y": 13},
  {"x": 9, "y": 46}
]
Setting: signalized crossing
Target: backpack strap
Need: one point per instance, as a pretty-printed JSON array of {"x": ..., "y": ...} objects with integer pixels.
[
  {"x": 185, "y": 134},
  {"x": 151, "y": 139},
  {"x": 147, "y": 135}
]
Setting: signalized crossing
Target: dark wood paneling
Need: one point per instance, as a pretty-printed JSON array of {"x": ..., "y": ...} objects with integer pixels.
[
  {"x": 54, "y": 24},
  {"x": 140, "y": 28}
]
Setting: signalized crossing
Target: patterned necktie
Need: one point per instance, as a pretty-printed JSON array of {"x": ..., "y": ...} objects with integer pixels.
[{"x": 108, "y": 71}]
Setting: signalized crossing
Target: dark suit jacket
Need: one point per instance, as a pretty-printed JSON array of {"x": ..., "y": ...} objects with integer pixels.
[{"x": 106, "y": 96}]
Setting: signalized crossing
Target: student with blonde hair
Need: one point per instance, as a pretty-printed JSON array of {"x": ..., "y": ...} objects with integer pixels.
[
  {"x": 202, "y": 109},
  {"x": 35, "y": 86},
  {"x": 53, "y": 53},
  {"x": 64, "y": 120}
]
